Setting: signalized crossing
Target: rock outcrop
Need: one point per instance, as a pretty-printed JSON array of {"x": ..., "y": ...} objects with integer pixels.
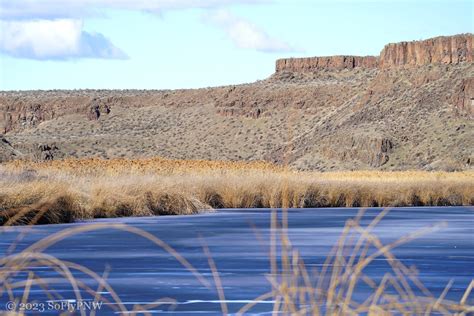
[
  {"x": 25, "y": 115},
  {"x": 7, "y": 152},
  {"x": 439, "y": 50},
  {"x": 464, "y": 100},
  {"x": 369, "y": 149},
  {"x": 330, "y": 63},
  {"x": 18, "y": 113},
  {"x": 45, "y": 152},
  {"x": 97, "y": 108}
]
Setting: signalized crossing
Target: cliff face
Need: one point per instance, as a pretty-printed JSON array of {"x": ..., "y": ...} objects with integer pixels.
[
  {"x": 330, "y": 63},
  {"x": 439, "y": 50},
  {"x": 464, "y": 99},
  {"x": 443, "y": 50},
  {"x": 370, "y": 150},
  {"x": 17, "y": 112},
  {"x": 7, "y": 151}
]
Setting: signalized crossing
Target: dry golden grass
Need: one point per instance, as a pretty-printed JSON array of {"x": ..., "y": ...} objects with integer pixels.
[
  {"x": 68, "y": 190},
  {"x": 157, "y": 165}
]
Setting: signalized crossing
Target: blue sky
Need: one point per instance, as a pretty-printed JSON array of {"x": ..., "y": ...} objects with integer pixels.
[{"x": 169, "y": 44}]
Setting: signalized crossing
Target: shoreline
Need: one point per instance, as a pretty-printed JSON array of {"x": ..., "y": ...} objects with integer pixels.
[{"x": 127, "y": 219}]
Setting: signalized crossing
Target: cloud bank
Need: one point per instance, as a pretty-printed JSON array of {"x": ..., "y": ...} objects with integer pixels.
[
  {"x": 245, "y": 34},
  {"x": 55, "y": 9},
  {"x": 54, "y": 39},
  {"x": 53, "y": 29}
]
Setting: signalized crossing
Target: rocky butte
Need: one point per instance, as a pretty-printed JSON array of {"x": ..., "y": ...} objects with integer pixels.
[
  {"x": 439, "y": 50},
  {"x": 329, "y": 63},
  {"x": 443, "y": 50},
  {"x": 411, "y": 107}
]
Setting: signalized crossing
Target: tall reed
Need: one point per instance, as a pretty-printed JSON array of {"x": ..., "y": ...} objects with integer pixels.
[{"x": 69, "y": 190}]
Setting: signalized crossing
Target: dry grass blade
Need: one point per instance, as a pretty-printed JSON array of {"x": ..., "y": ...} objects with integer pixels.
[
  {"x": 98, "y": 292},
  {"x": 217, "y": 279},
  {"x": 254, "y": 302},
  {"x": 143, "y": 309},
  {"x": 467, "y": 293},
  {"x": 21, "y": 262},
  {"x": 26, "y": 292}
]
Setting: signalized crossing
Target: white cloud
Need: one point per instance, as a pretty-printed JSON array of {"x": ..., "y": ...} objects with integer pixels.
[
  {"x": 53, "y": 29},
  {"x": 245, "y": 34},
  {"x": 54, "y": 39},
  {"x": 54, "y": 9}
]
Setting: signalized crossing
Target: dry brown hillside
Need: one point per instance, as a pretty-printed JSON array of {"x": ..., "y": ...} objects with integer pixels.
[{"x": 410, "y": 108}]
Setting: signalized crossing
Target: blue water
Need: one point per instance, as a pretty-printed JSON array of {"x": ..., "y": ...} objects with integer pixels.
[{"x": 140, "y": 272}]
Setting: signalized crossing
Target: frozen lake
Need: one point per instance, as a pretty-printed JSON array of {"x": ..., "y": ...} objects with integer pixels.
[{"x": 141, "y": 272}]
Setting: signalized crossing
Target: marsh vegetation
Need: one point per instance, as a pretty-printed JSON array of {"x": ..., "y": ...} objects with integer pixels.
[{"x": 69, "y": 190}]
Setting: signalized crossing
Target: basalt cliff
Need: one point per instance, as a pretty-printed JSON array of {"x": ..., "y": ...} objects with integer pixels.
[
  {"x": 439, "y": 50},
  {"x": 411, "y": 107}
]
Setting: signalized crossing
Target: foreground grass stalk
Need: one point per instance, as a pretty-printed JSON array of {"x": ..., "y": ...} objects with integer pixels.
[{"x": 217, "y": 278}]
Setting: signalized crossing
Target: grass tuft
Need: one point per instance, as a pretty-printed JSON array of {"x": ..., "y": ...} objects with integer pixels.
[{"x": 68, "y": 190}]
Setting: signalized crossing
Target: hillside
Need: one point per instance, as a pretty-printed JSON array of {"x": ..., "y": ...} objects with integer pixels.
[{"x": 412, "y": 107}]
